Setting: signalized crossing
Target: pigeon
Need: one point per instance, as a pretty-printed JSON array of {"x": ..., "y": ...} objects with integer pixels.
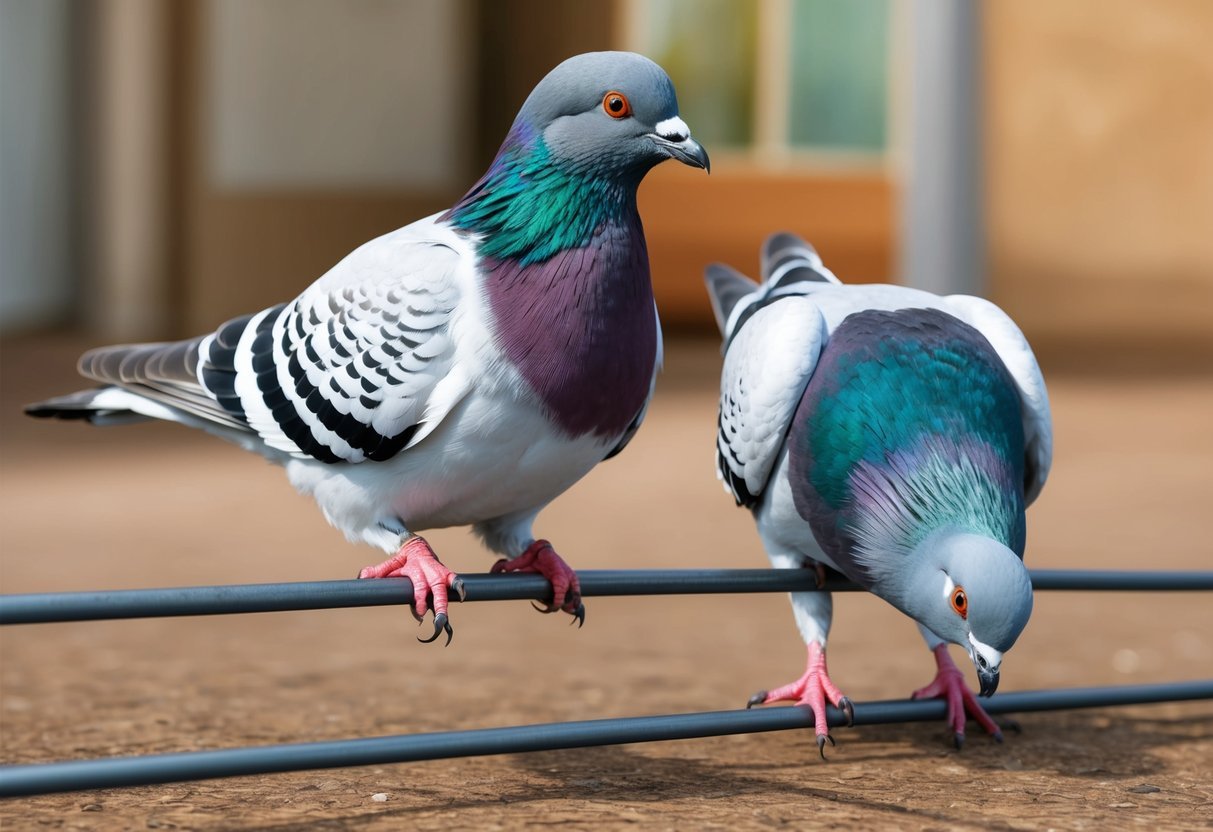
[
  {"x": 895, "y": 436},
  {"x": 462, "y": 370}
]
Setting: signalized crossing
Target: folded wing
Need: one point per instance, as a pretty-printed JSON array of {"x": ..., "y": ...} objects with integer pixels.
[{"x": 358, "y": 367}]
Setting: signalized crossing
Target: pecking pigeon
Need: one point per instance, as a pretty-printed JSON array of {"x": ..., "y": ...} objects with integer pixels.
[
  {"x": 463, "y": 370},
  {"x": 891, "y": 434}
]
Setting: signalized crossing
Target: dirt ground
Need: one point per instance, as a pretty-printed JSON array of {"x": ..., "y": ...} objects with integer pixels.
[{"x": 146, "y": 506}]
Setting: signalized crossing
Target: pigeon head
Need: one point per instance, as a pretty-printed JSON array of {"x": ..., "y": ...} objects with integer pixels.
[
  {"x": 613, "y": 113},
  {"x": 574, "y": 157},
  {"x": 971, "y": 590}
]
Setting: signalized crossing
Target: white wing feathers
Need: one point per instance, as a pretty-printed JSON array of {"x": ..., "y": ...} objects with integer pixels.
[{"x": 766, "y": 369}]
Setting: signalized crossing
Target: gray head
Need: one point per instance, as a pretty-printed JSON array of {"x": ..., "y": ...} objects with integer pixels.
[
  {"x": 613, "y": 110},
  {"x": 972, "y": 591}
]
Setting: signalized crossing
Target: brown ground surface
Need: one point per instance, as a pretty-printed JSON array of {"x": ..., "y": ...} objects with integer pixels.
[{"x": 158, "y": 505}]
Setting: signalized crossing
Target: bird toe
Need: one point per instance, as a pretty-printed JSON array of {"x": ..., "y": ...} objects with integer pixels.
[
  {"x": 848, "y": 710},
  {"x": 441, "y": 625}
]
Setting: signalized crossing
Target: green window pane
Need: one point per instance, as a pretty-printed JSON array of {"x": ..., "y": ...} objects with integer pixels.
[
  {"x": 839, "y": 79},
  {"x": 711, "y": 62}
]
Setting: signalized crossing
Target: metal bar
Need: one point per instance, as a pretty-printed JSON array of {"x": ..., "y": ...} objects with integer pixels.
[
  {"x": 43, "y": 608},
  {"x": 81, "y": 775},
  {"x": 1121, "y": 580}
]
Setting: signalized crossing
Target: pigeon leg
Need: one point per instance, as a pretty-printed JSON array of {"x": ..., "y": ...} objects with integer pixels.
[
  {"x": 949, "y": 684},
  {"x": 566, "y": 588},
  {"x": 812, "y": 690},
  {"x": 417, "y": 562}
]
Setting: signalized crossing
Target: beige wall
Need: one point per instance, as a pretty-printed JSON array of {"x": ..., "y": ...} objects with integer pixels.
[
  {"x": 248, "y": 247},
  {"x": 1099, "y": 140},
  {"x": 1098, "y": 123}
]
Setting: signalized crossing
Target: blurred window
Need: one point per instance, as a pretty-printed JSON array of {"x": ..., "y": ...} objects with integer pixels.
[
  {"x": 839, "y": 74},
  {"x": 714, "y": 61},
  {"x": 776, "y": 79}
]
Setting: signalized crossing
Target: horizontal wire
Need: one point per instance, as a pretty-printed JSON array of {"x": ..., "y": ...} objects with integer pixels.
[
  {"x": 83, "y": 775},
  {"x": 45, "y": 608}
]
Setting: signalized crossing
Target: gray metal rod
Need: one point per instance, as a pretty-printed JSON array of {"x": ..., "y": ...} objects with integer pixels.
[
  {"x": 82, "y": 775},
  {"x": 44, "y": 608}
]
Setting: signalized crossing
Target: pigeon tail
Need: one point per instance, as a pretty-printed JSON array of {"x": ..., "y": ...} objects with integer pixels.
[
  {"x": 790, "y": 267},
  {"x": 788, "y": 260},
  {"x": 97, "y": 407},
  {"x": 726, "y": 288}
]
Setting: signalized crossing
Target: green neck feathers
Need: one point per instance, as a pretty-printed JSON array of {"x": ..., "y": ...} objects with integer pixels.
[{"x": 529, "y": 207}]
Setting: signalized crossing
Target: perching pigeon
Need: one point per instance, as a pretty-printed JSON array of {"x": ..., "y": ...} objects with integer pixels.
[
  {"x": 465, "y": 369},
  {"x": 895, "y": 436}
]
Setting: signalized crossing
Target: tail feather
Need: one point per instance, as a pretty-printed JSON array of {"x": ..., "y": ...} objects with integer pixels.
[
  {"x": 86, "y": 406},
  {"x": 787, "y": 259},
  {"x": 171, "y": 362},
  {"x": 790, "y": 266},
  {"x": 167, "y": 374},
  {"x": 726, "y": 286},
  {"x": 191, "y": 382}
]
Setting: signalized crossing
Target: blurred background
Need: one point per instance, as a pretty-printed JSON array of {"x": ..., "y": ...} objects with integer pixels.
[{"x": 167, "y": 165}]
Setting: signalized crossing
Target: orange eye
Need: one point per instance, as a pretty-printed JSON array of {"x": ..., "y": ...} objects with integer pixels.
[
  {"x": 616, "y": 105},
  {"x": 960, "y": 602}
]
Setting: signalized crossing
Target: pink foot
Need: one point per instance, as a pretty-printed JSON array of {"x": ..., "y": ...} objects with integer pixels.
[
  {"x": 949, "y": 684},
  {"x": 542, "y": 558},
  {"x": 812, "y": 689},
  {"x": 417, "y": 562}
]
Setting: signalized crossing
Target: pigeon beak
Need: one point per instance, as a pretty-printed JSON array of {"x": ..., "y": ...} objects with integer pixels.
[
  {"x": 673, "y": 138},
  {"x": 988, "y": 681},
  {"x": 988, "y": 661}
]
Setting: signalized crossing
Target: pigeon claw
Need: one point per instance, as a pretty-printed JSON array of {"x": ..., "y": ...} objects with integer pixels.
[
  {"x": 540, "y": 557},
  {"x": 949, "y": 685},
  {"x": 441, "y": 625},
  {"x": 430, "y": 579},
  {"x": 958, "y": 739},
  {"x": 812, "y": 690},
  {"x": 848, "y": 710},
  {"x": 821, "y": 744}
]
